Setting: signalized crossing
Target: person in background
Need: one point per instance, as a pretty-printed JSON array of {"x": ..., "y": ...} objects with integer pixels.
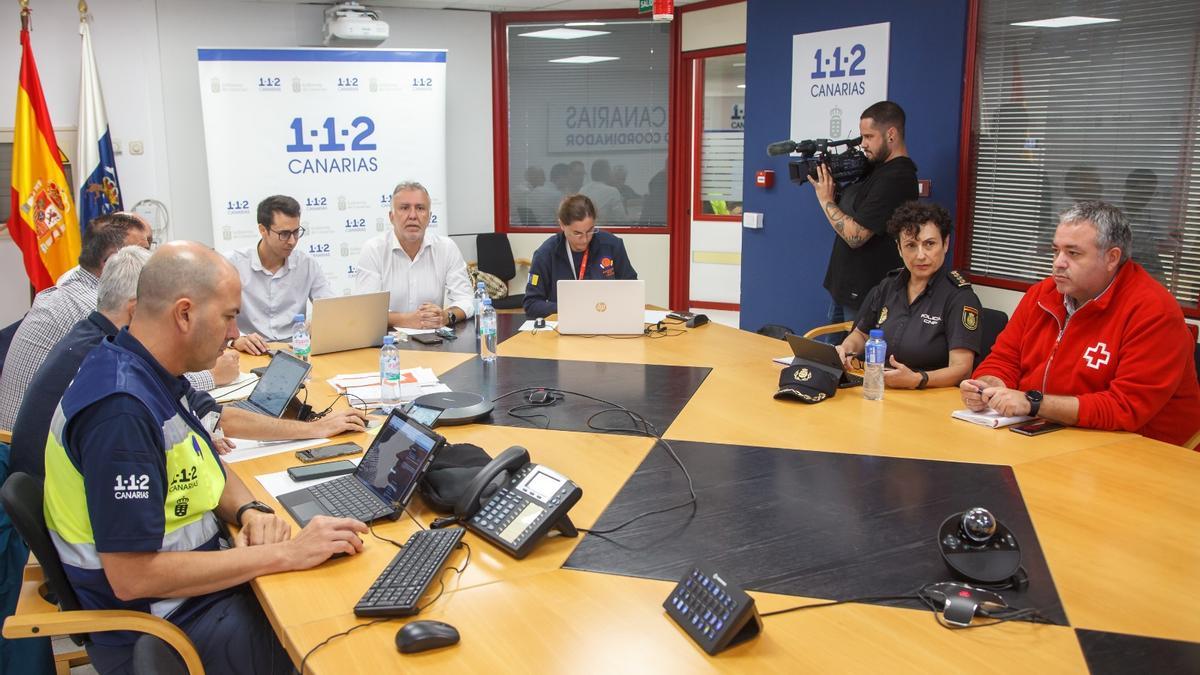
[
  {"x": 610, "y": 207},
  {"x": 278, "y": 277},
  {"x": 578, "y": 251},
  {"x": 928, "y": 313}
]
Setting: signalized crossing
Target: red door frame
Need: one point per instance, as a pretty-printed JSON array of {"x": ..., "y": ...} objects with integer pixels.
[{"x": 691, "y": 92}]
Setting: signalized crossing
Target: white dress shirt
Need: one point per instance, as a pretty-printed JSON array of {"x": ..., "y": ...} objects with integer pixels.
[
  {"x": 271, "y": 300},
  {"x": 437, "y": 275}
]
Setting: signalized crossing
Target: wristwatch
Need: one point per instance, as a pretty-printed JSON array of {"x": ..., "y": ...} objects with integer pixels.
[
  {"x": 256, "y": 505},
  {"x": 451, "y": 318},
  {"x": 924, "y": 379},
  {"x": 1035, "y": 401}
]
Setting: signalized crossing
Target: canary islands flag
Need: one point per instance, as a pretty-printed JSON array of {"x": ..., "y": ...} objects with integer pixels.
[
  {"x": 43, "y": 221},
  {"x": 95, "y": 165}
]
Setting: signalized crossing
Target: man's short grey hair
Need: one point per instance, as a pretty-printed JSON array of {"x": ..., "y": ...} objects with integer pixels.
[
  {"x": 409, "y": 185},
  {"x": 1112, "y": 227},
  {"x": 118, "y": 282}
]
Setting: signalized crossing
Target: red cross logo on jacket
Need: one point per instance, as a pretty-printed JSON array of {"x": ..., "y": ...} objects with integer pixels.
[{"x": 1097, "y": 355}]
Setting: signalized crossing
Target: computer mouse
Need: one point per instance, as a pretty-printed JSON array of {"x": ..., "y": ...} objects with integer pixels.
[
  {"x": 539, "y": 323},
  {"x": 419, "y": 636}
]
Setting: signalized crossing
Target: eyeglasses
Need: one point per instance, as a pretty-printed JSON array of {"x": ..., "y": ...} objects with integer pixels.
[
  {"x": 285, "y": 235},
  {"x": 587, "y": 234}
]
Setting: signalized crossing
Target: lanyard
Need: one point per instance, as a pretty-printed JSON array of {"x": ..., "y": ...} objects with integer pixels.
[{"x": 582, "y": 263}]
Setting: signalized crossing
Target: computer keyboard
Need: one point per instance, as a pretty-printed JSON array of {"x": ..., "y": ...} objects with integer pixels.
[
  {"x": 398, "y": 588},
  {"x": 346, "y": 497}
]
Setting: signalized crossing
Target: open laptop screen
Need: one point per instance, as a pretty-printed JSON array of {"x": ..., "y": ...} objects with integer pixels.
[
  {"x": 397, "y": 459},
  {"x": 279, "y": 383}
]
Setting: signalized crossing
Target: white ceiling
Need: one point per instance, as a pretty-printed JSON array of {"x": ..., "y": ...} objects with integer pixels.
[{"x": 491, "y": 5}]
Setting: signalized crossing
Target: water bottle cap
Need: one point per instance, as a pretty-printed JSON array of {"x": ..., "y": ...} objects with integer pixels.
[
  {"x": 298, "y": 317},
  {"x": 480, "y": 285},
  {"x": 877, "y": 333},
  {"x": 487, "y": 302},
  {"x": 389, "y": 340}
]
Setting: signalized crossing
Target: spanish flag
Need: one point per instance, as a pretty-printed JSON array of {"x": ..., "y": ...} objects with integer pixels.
[{"x": 43, "y": 221}]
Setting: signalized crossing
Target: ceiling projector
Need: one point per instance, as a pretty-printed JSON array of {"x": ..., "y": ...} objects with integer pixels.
[{"x": 349, "y": 24}]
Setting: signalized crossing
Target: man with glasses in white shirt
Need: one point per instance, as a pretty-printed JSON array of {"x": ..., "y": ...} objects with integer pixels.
[
  {"x": 278, "y": 277},
  {"x": 425, "y": 272}
]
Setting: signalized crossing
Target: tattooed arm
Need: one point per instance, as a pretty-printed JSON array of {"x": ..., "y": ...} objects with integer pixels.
[{"x": 854, "y": 234}]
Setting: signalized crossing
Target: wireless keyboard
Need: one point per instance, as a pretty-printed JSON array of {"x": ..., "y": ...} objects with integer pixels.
[{"x": 402, "y": 583}]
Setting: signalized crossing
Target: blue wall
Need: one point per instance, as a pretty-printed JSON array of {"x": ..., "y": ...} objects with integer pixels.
[{"x": 783, "y": 264}]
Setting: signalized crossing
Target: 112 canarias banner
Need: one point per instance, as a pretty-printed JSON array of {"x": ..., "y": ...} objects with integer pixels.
[{"x": 43, "y": 221}]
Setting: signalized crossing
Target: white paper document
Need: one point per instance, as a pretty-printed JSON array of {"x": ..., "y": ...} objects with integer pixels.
[
  {"x": 988, "y": 418},
  {"x": 280, "y": 483},
  {"x": 247, "y": 449},
  {"x": 656, "y": 315}
]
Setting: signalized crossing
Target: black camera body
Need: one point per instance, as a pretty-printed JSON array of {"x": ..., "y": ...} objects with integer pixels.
[{"x": 848, "y": 166}]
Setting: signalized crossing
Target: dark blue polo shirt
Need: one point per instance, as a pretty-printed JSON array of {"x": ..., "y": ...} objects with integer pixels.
[{"x": 606, "y": 259}]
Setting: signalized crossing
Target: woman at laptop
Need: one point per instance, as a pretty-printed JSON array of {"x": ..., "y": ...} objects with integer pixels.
[
  {"x": 579, "y": 251},
  {"x": 928, "y": 314}
]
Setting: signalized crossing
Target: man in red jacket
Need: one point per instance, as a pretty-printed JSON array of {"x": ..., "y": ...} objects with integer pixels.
[{"x": 1100, "y": 344}]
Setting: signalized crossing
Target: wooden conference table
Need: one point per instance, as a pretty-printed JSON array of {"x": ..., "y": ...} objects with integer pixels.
[{"x": 1113, "y": 514}]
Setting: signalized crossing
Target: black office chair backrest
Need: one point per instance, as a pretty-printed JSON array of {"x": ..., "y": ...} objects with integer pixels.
[
  {"x": 990, "y": 324},
  {"x": 775, "y": 330},
  {"x": 495, "y": 255},
  {"x": 21, "y": 497}
]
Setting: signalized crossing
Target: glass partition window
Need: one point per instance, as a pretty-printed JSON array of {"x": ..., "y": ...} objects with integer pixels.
[
  {"x": 588, "y": 113},
  {"x": 1106, "y": 107},
  {"x": 722, "y": 124}
]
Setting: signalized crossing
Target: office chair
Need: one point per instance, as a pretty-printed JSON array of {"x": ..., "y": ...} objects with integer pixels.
[
  {"x": 37, "y": 616},
  {"x": 830, "y": 329},
  {"x": 496, "y": 257},
  {"x": 991, "y": 322}
]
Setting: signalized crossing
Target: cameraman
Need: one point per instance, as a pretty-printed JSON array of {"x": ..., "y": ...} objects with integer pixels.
[{"x": 862, "y": 251}]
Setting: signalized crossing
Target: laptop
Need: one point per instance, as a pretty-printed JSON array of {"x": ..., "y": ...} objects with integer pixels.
[
  {"x": 824, "y": 356},
  {"x": 277, "y": 386},
  {"x": 384, "y": 481},
  {"x": 601, "y": 307},
  {"x": 349, "y": 322}
]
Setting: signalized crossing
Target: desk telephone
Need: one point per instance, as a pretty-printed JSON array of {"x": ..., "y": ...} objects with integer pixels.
[{"x": 532, "y": 501}]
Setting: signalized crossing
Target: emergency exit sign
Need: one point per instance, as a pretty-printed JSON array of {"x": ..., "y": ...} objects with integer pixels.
[{"x": 645, "y": 6}]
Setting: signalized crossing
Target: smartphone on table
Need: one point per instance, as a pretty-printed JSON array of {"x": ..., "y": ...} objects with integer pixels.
[
  {"x": 315, "y": 471},
  {"x": 328, "y": 452},
  {"x": 1035, "y": 427}
]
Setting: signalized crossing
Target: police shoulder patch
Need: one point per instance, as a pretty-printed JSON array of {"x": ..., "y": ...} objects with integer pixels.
[
  {"x": 533, "y": 280},
  {"x": 970, "y": 317},
  {"x": 958, "y": 279}
]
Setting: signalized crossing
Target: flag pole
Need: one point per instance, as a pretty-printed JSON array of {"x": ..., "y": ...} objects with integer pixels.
[
  {"x": 25, "y": 12},
  {"x": 83, "y": 10}
]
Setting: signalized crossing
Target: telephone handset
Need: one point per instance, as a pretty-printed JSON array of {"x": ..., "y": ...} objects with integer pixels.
[{"x": 531, "y": 502}]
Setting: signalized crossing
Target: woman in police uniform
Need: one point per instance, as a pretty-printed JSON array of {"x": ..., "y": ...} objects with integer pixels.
[{"x": 929, "y": 314}]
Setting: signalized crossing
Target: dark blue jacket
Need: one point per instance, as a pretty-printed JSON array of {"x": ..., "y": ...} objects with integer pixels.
[{"x": 606, "y": 260}]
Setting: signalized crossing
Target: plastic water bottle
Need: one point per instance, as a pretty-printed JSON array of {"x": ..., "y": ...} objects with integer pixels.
[
  {"x": 301, "y": 345},
  {"x": 487, "y": 332},
  {"x": 875, "y": 358},
  {"x": 480, "y": 294},
  {"x": 389, "y": 374}
]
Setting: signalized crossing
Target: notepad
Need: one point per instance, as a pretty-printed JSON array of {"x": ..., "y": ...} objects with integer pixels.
[{"x": 988, "y": 418}]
